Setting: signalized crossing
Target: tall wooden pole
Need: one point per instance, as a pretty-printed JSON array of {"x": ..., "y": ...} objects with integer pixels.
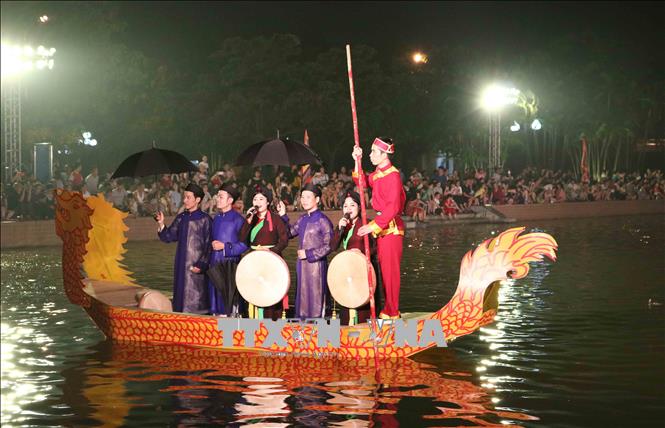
[{"x": 361, "y": 184}]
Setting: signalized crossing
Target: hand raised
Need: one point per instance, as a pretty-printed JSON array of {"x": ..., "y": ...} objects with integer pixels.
[
  {"x": 365, "y": 230},
  {"x": 357, "y": 153},
  {"x": 281, "y": 208}
]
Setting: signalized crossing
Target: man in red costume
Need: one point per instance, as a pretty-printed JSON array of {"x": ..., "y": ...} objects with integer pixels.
[{"x": 388, "y": 200}]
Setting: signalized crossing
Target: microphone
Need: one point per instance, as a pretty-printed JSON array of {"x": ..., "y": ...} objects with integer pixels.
[
  {"x": 252, "y": 211},
  {"x": 348, "y": 217}
]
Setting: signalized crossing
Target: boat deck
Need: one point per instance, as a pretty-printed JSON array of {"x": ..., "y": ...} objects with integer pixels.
[
  {"x": 123, "y": 295},
  {"x": 113, "y": 293},
  {"x": 413, "y": 315}
]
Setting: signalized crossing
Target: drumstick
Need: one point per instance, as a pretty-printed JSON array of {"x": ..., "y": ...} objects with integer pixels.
[{"x": 361, "y": 182}]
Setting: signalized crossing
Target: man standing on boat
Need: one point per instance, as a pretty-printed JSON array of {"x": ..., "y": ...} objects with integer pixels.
[
  {"x": 191, "y": 229},
  {"x": 388, "y": 201},
  {"x": 315, "y": 232},
  {"x": 227, "y": 248}
]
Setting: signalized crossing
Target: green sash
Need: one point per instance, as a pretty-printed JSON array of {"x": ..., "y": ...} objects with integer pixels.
[
  {"x": 348, "y": 236},
  {"x": 255, "y": 230}
]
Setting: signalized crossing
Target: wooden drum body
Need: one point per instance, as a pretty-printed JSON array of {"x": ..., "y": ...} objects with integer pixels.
[
  {"x": 263, "y": 278},
  {"x": 347, "y": 278}
]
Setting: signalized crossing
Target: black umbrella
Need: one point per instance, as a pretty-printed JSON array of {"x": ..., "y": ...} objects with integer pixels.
[
  {"x": 153, "y": 162},
  {"x": 278, "y": 152}
]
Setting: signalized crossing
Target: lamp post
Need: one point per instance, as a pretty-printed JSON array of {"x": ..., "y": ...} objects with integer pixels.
[
  {"x": 17, "y": 60},
  {"x": 535, "y": 126},
  {"x": 88, "y": 145},
  {"x": 87, "y": 139},
  {"x": 493, "y": 99}
]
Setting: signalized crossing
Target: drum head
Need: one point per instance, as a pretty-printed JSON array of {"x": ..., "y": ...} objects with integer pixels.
[
  {"x": 347, "y": 278},
  {"x": 153, "y": 299},
  {"x": 262, "y": 278}
]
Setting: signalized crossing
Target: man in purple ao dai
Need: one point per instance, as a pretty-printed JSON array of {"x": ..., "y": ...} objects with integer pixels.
[
  {"x": 314, "y": 231},
  {"x": 191, "y": 230}
]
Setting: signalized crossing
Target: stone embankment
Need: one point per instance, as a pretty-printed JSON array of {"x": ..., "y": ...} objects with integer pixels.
[{"x": 581, "y": 209}]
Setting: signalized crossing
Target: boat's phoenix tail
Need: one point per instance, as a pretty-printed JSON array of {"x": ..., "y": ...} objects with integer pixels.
[{"x": 506, "y": 256}]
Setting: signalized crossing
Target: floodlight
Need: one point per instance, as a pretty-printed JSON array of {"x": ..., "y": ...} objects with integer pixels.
[
  {"x": 495, "y": 96},
  {"x": 18, "y": 59}
]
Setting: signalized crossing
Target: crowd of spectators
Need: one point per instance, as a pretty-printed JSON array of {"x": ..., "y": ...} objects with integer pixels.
[
  {"x": 446, "y": 194},
  {"x": 441, "y": 193}
]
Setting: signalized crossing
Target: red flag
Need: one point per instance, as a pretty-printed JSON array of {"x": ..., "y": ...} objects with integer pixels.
[
  {"x": 584, "y": 166},
  {"x": 306, "y": 170}
]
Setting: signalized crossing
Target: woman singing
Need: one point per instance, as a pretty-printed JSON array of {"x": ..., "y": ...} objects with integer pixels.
[
  {"x": 346, "y": 236},
  {"x": 264, "y": 230}
]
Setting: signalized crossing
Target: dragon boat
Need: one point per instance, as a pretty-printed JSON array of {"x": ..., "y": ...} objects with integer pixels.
[{"x": 93, "y": 234}]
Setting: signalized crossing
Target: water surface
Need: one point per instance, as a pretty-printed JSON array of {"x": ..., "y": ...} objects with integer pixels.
[{"x": 575, "y": 344}]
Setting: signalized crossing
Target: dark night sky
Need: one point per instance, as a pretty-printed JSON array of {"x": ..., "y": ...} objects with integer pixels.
[
  {"x": 186, "y": 32},
  {"x": 163, "y": 29}
]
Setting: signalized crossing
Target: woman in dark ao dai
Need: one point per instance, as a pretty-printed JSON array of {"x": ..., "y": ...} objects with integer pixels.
[{"x": 265, "y": 230}]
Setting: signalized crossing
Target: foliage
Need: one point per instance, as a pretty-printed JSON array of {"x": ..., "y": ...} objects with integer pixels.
[{"x": 249, "y": 88}]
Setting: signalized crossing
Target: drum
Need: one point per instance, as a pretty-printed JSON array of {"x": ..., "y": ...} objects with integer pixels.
[
  {"x": 263, "y": 278},
  {"x": 347, "y": 278},
  {"x": 153, "y": 299}
]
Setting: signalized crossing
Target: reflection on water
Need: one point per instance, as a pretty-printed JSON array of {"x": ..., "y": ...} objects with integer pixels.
[
  {"x": 203, "y": 386},
  {"x": 575, "y": 344}
]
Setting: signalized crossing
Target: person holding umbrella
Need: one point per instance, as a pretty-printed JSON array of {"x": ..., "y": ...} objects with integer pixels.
[
  {"x": 226, "y": 251},
  {"x": 191, "y": 230}
]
